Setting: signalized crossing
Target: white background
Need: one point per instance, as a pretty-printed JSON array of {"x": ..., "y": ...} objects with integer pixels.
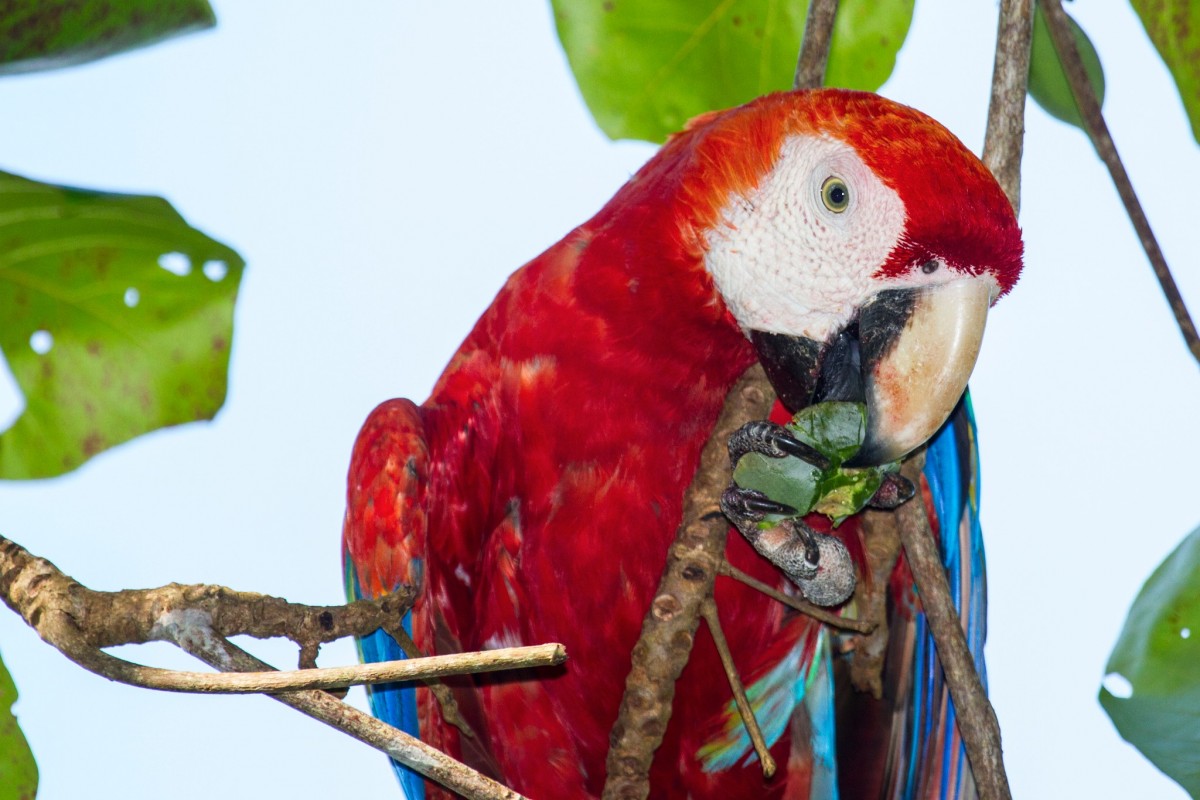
[{"x": 382, "y": 170}]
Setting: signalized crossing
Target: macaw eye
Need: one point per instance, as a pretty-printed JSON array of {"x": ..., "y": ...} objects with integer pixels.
[
  {"x": 930, "y": 267},
  {"x": 835, "y": 194}
]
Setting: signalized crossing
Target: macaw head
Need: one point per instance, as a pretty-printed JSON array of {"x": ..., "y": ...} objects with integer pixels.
[{"x": 859, "y": 245}]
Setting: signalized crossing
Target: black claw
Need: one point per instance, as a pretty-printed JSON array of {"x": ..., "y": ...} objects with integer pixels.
[
  {"x": 774, "y": 441},
  {"x": 895, "y": 491},
  {"x": 749, "y": 505}
]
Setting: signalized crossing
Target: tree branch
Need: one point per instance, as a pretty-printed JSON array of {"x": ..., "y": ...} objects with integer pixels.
[
  {"x": 669, "y": 627},
  {"x": 410, "y": 751},
  {"x": 79, "y": 621},
  {"x": 814, "y": 48},
  {"x": 1005, "y": 138},
  {"x": 976, "y": 720},
  {"x": 1106, "y": 148}
]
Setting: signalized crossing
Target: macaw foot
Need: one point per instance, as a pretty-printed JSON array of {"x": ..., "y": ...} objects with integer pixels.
[
  {"x": 816, "y": 562},
  {"x": 895, "y": 491},
  {"x": 774, "y": 441}
]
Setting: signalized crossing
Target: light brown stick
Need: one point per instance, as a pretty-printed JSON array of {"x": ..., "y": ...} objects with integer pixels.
[{"x": 709, "y": 611}]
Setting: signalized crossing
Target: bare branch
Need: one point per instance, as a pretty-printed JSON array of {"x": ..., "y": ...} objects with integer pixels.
[
  {"x": 814, "y": 49},
  {"x": 803, "y": 606},
  {"x": 79, "y": 621},
  {"x": 441, "y": 691},
  {"x": 709, "y": 610},
  {"x": 1005, "y": 137},
  {"x": 669, "y": 628},
  {"x": 1097, "y": 129},
  {"x": 976, "y": 719},
  {"x": 412, "y": 752}
]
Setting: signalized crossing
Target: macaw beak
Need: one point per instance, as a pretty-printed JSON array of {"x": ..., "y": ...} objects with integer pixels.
[{"x": 907, "y": 355}]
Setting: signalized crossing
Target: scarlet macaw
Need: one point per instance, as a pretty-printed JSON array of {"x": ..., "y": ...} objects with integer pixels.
[{"x": 852, "y": 244}]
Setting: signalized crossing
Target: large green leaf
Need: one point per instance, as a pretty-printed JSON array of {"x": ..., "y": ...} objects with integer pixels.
[
  {"x": 866, "y": 37},
  {"x": 647, "y": 66},
  {"x": 1174, "y": 27},
  {"x": 1048, "y": 83},
  {"x": 117, "y": 320},
  {"x": 18, "y": 770},
  {"x": 47, "y": 34},
  {"x": 1152, "y": 691}
]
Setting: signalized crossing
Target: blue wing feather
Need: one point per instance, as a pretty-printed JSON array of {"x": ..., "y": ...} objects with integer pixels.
[{"x": 394, "y": 703}]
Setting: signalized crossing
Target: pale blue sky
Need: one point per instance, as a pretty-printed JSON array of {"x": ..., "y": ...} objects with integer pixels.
[{"x": 382, "y": 170}]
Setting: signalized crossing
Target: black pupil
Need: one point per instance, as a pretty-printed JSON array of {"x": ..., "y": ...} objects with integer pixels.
[
  {"x": 929, "y": 267},
  {"x": 837, "y": 194}
]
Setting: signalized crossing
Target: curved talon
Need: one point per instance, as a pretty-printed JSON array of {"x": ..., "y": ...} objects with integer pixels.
[
  {"x": 749, "y": 505},
  {"x": 772, "y": 440}
]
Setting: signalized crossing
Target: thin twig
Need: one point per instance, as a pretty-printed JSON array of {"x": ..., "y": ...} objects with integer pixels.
[
  {"x": 411, "y": 752},
  {"x": 976, "y": 719},
  {"x": 669, "y": 627},
  {"x": 803, "y": 606},
  {"x": 709, "y": 611},
  {"x": 542, "y": 655},
  {"x": 1006, "y": 112},
  {"x": 1097, "y": 129},
  {"x": 440, "y": 691},
  {"x": 814, "y": 49}
]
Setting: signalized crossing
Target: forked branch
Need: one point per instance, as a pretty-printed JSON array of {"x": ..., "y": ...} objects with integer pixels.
[{"x": 80, "y": 622}]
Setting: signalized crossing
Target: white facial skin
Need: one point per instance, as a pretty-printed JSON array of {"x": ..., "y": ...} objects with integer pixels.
[{"x": 786, "y": 263}]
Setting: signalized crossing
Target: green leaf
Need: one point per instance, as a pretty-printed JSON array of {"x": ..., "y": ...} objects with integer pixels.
[
  {"x": 18, "y": 770},
  {"x": 118, "y": 319},
  {"x": 866, "y": 38},
  {"x": 837, "y": 430},
  {"x": 1048, "y": 83},
  {"x": 1174, "y": 27},
  {"x": 645, "y": 67},
  {"x": 784, "y": 480},
  {"x": 1157, "y": 653},
  {"x": 845, "y": 491},
  {"x": 48, "y": 34}
]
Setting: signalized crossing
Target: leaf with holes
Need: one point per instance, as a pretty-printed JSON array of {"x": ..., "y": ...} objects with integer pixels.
[
  {"x": 1152, "y": 687},
  {"x": 645, "y": 67},
  {"x": 49, "y": 34},
  {"x": 18, "y": 770},
  {"x": 117, "y": 316},
  {"x": 1174, "y": 27},
  {"x": 1048, "y": 83}
]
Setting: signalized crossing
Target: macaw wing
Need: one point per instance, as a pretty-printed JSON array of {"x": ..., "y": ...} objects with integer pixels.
[{"x": 384, "y": 545}]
